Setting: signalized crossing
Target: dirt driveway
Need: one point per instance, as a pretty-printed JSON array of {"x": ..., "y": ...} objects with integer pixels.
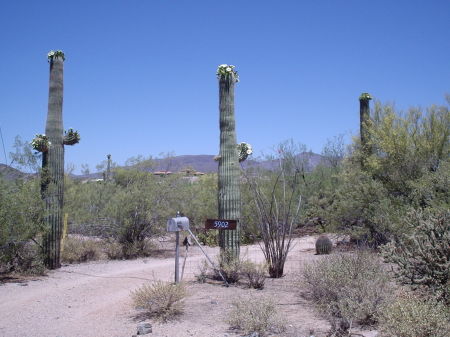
[{"x": 93, "y": 299}]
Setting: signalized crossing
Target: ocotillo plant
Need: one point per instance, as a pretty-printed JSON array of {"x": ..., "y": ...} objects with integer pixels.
[
  {"x": 229, "y": 196},
  {"x": 52, "y": 147},
  {"x": 364, "y": 121}
]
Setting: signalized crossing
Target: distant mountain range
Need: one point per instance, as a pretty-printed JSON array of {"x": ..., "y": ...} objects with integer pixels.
[{"x": 199, "y": 163}]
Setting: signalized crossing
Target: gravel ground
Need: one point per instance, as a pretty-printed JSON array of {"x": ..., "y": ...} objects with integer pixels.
[{"x": 93, "y": 299}]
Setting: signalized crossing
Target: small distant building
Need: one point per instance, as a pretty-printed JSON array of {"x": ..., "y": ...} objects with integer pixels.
[
  {"x": 162, "y": 173},
  {"x": 190, "y": 172}
]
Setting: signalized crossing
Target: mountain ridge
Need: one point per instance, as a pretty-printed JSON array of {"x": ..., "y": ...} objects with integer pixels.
[{"x": 203, "y": 163}]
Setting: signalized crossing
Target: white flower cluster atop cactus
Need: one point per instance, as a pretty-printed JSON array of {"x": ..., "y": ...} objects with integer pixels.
[
  {"x": 55, "y": 53},
  {"x": 365, "y": 96},
  {"x": 40, "y": 143},
  {"x": 244, "y": 150},
  {"x": 225, "y": 70}
]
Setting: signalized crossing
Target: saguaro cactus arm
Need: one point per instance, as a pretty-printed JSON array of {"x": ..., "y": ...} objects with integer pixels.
[{"x": 71, "y": 137}]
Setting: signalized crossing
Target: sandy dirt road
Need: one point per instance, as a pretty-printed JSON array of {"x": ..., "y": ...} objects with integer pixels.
[{"x": 93, "y": 299}]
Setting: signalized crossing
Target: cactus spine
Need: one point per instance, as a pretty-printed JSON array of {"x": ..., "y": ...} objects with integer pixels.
[
  {"x": 229, "y": 197},
  {"x": 52, "y": 180},
  {"x": 364, "y": 123},
  {"x": 323, "y": 245}
]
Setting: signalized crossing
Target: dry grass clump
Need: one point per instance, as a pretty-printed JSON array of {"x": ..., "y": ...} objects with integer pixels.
[
  {"x": 234, "y": 270},
  {"x": 203, "y": 269},
  {"x": 78, "y": 250},
  {"x": 162, "y": 300},
  {"x": 230, "y": 268},
  {"x": 113, "y": 250},
  {"x": 255, "y": 273},
  {"x": 256, "y": 315},
  {"x": 411, "y": 316},
  {"x": 349, "y": 288}
]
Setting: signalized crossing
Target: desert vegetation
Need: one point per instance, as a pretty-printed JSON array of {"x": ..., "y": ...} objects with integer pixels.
[{"x": 388, "y": 192}]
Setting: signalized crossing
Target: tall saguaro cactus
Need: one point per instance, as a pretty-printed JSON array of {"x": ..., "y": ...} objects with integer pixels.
[
  {"x": 364, "y": 122},
  {"x": 52, "y": 147},
  {"x": 229, "y": 196}
]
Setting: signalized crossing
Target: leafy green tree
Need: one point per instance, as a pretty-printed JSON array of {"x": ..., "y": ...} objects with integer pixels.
[
  {"x": 406, "y": 168},
  {"x": 21, "y": 223}
]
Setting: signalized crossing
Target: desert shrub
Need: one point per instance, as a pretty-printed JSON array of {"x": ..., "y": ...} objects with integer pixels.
[
  {"x": 255, "y": 273},
  {"x": 25, "y": 258},
  {"x": 209, "y": 238},
  {"x": 160, "y": 299},
  {"x": 136, "y": 249},
  {"x": 230, "y": 268},
  {"x": 411, "y": 316},
  {"x": 202, "y": 272},
  {"x": 258, "y": 315},
  {"x": 78, "y": 250},
  {"x": 348, "y": 287},
  {"x": 113, "y": 249},
  {"x": 277, "y": 200},
  {"x": 21, "y": 221},
  {"x": 423, "y": 257},
  {"x": 408, "y": 167}
]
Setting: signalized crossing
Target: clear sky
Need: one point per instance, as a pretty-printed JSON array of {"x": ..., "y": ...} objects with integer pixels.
[{"x": 140, "y": 78}]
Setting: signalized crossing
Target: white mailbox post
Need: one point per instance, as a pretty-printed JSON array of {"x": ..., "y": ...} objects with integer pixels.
[{"x": 177, "y": 224}]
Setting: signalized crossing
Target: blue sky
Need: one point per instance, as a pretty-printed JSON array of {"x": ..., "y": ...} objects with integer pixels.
[{"x": 140, "y": 74}]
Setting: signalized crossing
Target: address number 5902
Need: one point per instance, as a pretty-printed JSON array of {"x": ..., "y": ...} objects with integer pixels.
[{"x": 221, "y": 224}]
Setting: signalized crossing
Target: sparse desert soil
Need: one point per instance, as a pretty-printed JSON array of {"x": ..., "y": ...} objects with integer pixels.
[{"x": 93, "y": 299}]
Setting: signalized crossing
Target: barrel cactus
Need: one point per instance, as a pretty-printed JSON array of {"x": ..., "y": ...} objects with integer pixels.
[
  {"x": 364, "y": 121},
  {"x": 229, "y": 197},
  {"x": 323, "y": 245},
  {"x": 52, "y": 147}
]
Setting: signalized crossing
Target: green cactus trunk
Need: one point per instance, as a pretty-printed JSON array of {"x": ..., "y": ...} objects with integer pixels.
[
  {"x": 108, "y": 168},
  {"x": 53, "y": 167},
  {"x": 229, "y": 197},
  {"x": 364, "y": 123}
]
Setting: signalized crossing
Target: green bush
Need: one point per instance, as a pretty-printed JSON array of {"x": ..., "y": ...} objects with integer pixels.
[
  {"x": 209, "y": 238},
  {"x": 256, "y": 315},
  {"x": 160, "y": 299},
  {"x": 422, "y": 258},
  {"x": 408, "y": 168},
  {"x": 349, "y": 288},
  {"x": 411, "y": 316},
  {"x": 21, "y": 222},
  {"x": 78, "y": 250}
]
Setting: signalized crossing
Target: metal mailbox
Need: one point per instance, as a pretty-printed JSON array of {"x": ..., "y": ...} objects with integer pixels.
[{"x": 178, "y": 224}]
